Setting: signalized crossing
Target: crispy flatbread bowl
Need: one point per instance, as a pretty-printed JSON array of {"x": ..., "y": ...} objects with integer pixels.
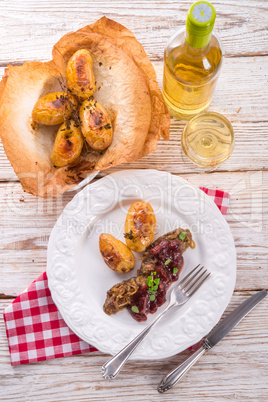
[{"x": 126, "y": 87}]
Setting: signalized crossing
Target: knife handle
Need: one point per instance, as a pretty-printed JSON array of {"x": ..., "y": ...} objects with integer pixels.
[{"x": 174, "y": 376}]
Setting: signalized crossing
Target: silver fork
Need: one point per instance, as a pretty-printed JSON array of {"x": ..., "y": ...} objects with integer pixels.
[{"x": 179, "y": 296}]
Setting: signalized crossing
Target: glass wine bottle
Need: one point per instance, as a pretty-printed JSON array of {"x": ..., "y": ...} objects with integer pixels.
[{"x": 192, "y": 61}]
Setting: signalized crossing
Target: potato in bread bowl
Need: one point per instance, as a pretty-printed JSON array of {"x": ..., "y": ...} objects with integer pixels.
[{"x": 125, "y": 86}]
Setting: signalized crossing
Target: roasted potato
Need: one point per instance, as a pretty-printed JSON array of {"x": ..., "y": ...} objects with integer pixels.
[
  {"x": 54, "y": 108},
  {"x": 140, "y": 226},
  {"x": 95, "y": 125},
  {"x": 68, "y": 144},
  {"x": 116, "y": 254},
  {"x": 79, "y": 74}
]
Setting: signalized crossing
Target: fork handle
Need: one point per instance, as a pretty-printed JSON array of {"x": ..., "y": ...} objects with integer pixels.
[
  {"x": 114, "y": 365},
  {"x": 174, "y": 376}
]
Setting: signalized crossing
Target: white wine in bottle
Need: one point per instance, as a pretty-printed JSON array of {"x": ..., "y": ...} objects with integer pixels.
[{"x": 192, "y": 61}]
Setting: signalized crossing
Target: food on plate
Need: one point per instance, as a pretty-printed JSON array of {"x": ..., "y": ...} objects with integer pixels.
[
  {"x": 116, "y": 254},
  {"x": 161, "y": 265},
  {"x": 79, "y": 74},
  {"x": 54, "y": 108},
  {"x": 96, "y": 125},
  {"x": 139, "y": 226},
  {"x": 68, "y": 144},
  {"x": 126, "y": 87},
  {"x": 119, "y": 296}
]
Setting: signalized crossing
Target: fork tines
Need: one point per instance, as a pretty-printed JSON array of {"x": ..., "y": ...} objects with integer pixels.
[{"x": 192, "y": 282}]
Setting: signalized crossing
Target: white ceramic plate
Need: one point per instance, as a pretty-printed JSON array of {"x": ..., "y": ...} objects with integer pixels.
[{"x": 78, "y": 278}]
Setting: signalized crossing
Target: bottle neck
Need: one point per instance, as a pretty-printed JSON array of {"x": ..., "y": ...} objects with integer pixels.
[
  {"x": 199, "y": 24},
  {"x": 195, "y": 51},
  {"x": 195, "y": 40}
]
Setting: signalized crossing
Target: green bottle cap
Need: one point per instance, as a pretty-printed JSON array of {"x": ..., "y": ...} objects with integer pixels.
[{"x": 199, "y": 24}]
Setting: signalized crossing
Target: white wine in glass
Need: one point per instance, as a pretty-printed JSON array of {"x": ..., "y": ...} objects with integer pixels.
[{"x": 208, "y": 139}]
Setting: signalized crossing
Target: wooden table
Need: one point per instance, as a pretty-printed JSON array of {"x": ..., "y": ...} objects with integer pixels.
[{"x": 237, "y": 369}]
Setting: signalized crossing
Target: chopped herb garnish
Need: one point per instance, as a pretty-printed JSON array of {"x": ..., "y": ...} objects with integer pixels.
[
  {"x": 150, "y": 281},
  {"x": 167, "y": 261},
  {"x": 135, "y": 309},
  {"x": 175, "y": 270},
  {"x": 129, "y": 235},
  {"x": 182, "y": 235},
  {"x": 152, "y": 297},
  {"x": 107, "y": 126},
  {"x": 150, "y": 290}
]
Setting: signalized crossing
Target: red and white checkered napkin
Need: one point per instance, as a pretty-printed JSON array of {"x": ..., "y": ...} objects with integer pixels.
[{"x": 35, "y": 328}]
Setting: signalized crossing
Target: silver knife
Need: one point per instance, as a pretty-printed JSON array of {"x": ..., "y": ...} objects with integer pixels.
[{"x": 218, "y": 332}]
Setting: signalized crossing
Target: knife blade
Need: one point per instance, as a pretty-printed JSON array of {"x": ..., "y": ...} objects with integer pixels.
[
  {"x": 217, "y": 333},
  {"x": 232, "y": 319}
]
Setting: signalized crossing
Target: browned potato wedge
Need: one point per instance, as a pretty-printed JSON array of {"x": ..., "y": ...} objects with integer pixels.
[
  {"x": 116, "y": 254},
  {"x": 140, "y": 226},
  {"x": 54, "y": 108},
  {"x": 68, "y": 144},
  {"x": 95, "y": 125},
  {"x": 79, "y": 74}
]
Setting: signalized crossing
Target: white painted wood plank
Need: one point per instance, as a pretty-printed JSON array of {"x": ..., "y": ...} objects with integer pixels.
[
  {"x": 244, "y": 104},
  {"x": 30, "y": 28},
  {"x": 236, "y": 369},
  {"x": 26, "y": 223}
]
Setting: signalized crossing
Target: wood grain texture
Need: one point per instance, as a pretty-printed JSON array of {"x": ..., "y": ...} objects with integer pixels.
[
  {"x": 224, "y": 373},
  {"x": 31, "y": 28},
  {"x": 237, "y": 368},
  {"x": 245, "y": 105},
  {"x": 27, "y": 223}
]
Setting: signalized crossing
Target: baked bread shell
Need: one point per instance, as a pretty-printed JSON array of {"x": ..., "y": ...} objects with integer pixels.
[{"x": 126, "y": 87}]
